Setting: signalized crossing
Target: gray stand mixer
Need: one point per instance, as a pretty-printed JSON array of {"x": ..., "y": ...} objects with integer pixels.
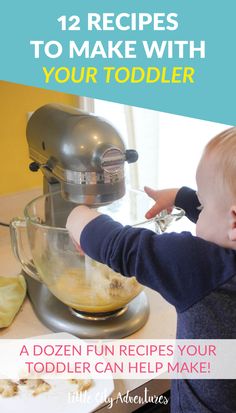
[{"x": 82, "y": 158}]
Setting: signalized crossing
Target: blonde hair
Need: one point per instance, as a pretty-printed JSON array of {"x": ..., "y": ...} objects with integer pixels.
[{"x": 223, "y": 147}]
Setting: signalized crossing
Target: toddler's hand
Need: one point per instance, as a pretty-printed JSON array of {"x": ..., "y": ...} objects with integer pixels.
[
  {"x": 77, "y": 220},
  {"x": 164, "y": 199}
]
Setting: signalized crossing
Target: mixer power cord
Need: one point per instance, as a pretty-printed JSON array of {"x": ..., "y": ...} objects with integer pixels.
[{"x": 4, "y": 224}]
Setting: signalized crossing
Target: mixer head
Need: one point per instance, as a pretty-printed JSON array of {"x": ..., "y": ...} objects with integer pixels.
[{"x": 81, "y": 151}]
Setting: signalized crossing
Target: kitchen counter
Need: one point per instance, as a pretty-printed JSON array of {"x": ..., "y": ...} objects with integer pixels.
[{"x": 161, "y": 323}]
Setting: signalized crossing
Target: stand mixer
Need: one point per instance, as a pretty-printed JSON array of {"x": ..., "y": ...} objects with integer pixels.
[{"x": 82, "y": 159}]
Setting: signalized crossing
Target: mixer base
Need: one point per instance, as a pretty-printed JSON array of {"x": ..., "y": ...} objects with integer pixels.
[
  {"x": 58, "y": 317},
  {"x": 99, "y": 316}
]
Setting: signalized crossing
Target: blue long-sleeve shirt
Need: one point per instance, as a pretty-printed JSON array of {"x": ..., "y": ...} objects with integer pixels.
[{"x": 196, "y": 276}]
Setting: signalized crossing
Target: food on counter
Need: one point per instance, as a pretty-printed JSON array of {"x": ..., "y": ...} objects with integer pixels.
[
  {"x": 37, "y": 385},
  {"x": 82, "y": 385},
  {"x": 8, "y": 388}
]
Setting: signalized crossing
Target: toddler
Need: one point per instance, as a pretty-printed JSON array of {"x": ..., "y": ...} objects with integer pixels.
[{"x": 196, "y": 274}]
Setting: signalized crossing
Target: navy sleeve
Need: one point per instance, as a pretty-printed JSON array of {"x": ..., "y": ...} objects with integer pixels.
[
  {"x": 181, "y": 267},
  {"x": 187, "y": 199}
]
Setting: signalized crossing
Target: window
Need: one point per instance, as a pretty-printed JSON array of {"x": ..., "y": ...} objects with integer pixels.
[{"x": 169, "y": 146}]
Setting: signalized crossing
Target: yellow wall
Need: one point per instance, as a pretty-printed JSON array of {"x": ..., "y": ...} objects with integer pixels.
[{"x": 15, "y": 102}]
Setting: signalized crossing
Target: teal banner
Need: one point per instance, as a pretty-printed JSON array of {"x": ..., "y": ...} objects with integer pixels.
[{"x": 175, "y": 56}]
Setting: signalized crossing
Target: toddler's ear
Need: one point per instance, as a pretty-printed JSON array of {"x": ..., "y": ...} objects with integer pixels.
[{"x": 232, "y": 230}]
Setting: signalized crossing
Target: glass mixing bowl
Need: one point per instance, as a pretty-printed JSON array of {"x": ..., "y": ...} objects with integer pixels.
[{"x": 48, "y": 254}]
